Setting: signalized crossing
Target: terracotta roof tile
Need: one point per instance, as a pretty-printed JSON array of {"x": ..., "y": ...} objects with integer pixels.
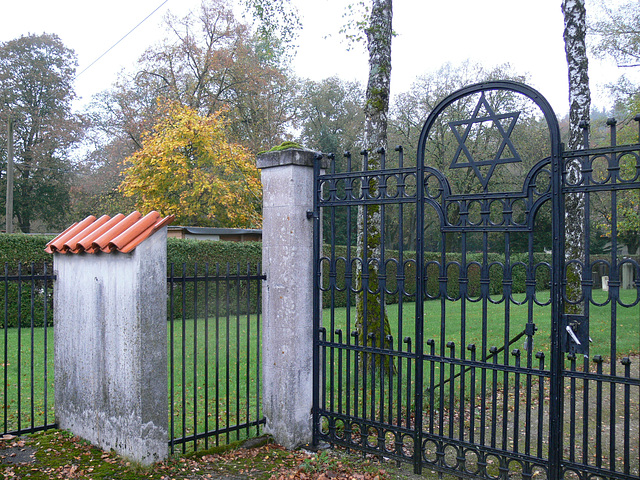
[
  {"x": 72, "y": 244},
  {"x": 103, "y": 240},
  {"x": 88, "y": 240},
  {"x": 68, "y": 234},
  {"x": 106, "y": 234}
]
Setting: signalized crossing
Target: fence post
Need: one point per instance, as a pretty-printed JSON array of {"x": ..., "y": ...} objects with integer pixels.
[
  {"x": 111, "y": 348},
  {"x": 287, "y": 301}
]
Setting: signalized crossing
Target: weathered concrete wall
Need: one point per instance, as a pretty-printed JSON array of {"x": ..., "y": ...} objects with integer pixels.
[
  {"x": 111, "y": 349},
  {"x": 287, "y": 301}
]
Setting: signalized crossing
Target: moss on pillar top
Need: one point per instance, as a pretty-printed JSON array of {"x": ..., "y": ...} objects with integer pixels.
[
  {"x": 283, "y": 146},
  {"x": 289, "y": 153}
]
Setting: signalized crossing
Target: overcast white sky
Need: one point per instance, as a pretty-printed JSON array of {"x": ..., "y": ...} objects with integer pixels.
[{"x": 526, "y": 34}]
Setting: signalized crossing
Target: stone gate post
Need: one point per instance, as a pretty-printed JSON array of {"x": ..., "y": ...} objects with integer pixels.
[
  {"x": 287, "y": 294},
  {"x": 110, "y": 326}
]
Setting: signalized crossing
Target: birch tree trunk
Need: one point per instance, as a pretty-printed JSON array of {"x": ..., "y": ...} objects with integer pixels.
[
  {"x": 575, "y": 27},
  {"x": 372, "y": 321}
]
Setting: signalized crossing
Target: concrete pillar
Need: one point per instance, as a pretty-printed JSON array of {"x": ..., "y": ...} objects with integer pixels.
[
  {"x": 111, "y": 348},
  {"x": 287, "y": 294}
]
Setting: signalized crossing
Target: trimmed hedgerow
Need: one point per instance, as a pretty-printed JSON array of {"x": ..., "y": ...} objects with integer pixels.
[
  {"x": 190, "y": 252},
  {"x": 27, "y": 252},
  {"x": 219, "y": 296},
  {"x": 25, "y": 249},
  {"x": 229, "y": 297},
  {"x": 407, "y": 273},
  {"x": 24, "y": 255}
]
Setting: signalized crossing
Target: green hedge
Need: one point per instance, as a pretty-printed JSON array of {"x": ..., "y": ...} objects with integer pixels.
[
  {"x": 27, "y": 249},
  {"x": 234, "y": 296},
  {"x": 519, "y": 264},
  {"x": 189, "y": 252},
  {"x": 433, "y": 260}
]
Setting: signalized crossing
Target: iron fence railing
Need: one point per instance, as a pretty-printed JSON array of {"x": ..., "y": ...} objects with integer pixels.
[
  {"x": 26, "y": 293},
  {"x": 214, "y": 354},
  {"x": 213, "y": 328},
  {"x": 491, "y": 359}
]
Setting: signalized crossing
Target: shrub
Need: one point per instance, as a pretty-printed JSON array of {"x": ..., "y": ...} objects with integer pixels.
[
  {"x": 405, "y": 274},
  {"x": 25, "y": 254},
  {"x": 216, "y": 260}
]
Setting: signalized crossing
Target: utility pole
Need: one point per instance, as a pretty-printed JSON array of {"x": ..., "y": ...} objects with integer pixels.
[{"x": 9, "y": 205}]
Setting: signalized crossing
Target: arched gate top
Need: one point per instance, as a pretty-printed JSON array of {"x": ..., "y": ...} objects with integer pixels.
[{"x": 504, "y": 122}]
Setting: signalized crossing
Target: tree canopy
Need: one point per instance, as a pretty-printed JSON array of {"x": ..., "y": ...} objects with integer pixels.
[
  {"x": 209, "y": 61},
  {"x": 213, "y": 60},
  {"x": 617, "y": 33},
  {"x": 36, "y": 91},
  {"x": 187, "y": 167},
  {"x": 331, "y": 115}
]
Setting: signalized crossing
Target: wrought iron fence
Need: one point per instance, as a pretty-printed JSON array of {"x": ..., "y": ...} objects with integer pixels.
[
  {"x": 214, "y": 355},
  {"x": 491, "y": 366},
  {"x": 213, "y": 329},
  {"x": 26, "y": 293}
]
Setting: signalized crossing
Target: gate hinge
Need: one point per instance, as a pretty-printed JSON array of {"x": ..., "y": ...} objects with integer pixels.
[{"x": 575, "y": 334}]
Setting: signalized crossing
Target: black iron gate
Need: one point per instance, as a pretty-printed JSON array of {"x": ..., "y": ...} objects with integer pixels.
[{"x": 511, "y": 342}]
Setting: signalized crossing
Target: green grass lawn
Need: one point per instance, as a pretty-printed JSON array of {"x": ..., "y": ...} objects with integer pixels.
[
  {"x": 233, "y": 353},
  {"x": 625, "y": 331},
  {"x": 482, "y": 404},
  {"x": 480, "y": 329},
  {"x": 24, "y": 384},
  {"x": 222, "y": 354}
]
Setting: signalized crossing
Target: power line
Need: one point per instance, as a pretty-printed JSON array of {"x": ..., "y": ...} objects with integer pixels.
[{"x": 115, "y": 44}]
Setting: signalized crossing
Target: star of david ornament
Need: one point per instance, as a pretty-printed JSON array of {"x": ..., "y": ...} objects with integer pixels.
[{"x": 504, "y": 123}]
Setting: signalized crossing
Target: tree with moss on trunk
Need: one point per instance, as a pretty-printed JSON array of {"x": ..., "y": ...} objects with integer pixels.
[
  {"x": 575, "y": 26},
  {"x": 372, "y": 321},
  {"x": 374, "y": 26}
]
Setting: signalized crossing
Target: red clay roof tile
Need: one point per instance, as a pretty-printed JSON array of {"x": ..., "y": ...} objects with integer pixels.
[
  {"x": 107, "y": 234},
  {"x": 161, "y": 222},
  {"x": 130, "y": 234},
  {"x": 103, "y": 240},
  {"x": 57, "y": 243},
  {"x": 87, "y": 241},
  {"x": 72, "y": 244}
]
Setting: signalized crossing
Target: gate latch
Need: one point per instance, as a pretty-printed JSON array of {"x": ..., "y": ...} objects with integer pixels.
[{"x": 575, "y": 334}]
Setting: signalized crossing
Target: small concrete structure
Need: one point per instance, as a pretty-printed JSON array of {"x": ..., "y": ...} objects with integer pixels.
[
  {"x": 216, "y": 234},
  {"x": 287, "y": 295},
  {"x": 111, "y": 348}
]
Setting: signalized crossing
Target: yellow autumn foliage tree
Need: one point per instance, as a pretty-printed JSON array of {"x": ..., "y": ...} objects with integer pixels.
[{"x": 187, "y": 167}]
